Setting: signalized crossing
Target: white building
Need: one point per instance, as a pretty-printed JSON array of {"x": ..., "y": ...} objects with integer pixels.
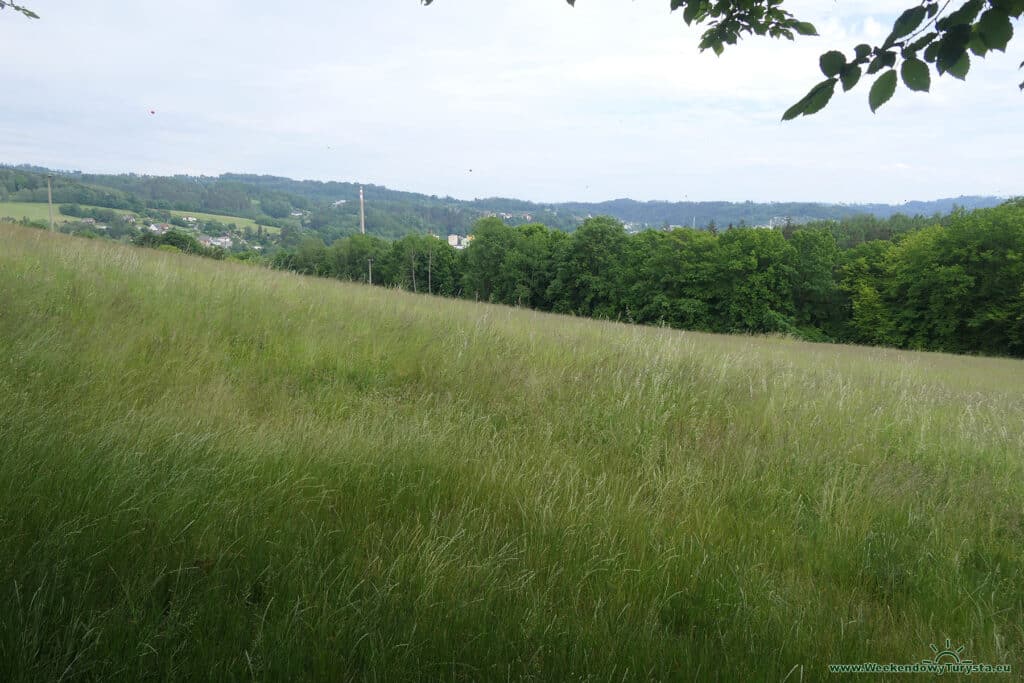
[{"x": 458, "y": 241}]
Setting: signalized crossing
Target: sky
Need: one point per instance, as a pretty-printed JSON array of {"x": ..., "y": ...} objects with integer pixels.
[{"x": 530, "y": 99}]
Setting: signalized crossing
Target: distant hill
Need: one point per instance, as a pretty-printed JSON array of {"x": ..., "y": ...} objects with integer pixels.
[
  {"x": 330, "y": 209},
  {"x": 754, "y": 213}
]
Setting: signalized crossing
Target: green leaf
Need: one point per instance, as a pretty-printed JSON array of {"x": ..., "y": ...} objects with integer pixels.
[
  {"x": 798, "y": 109},
  {"x": 882, "y": 90},
  {"x": 850, "y": 76},
  {"x": 862, "y": 51},
  {"x": 820, "y": 97},
  {"x": 916, "y": 75},
  {"x": 952, "y": 51},
  {"x": 906, "y": 24},
  {"x": 960, "y": 67},
  {"x": 883, "y": 60},
  {"x": 921, "y": 42},
  {"x": 946, "y": 59},
  {"x": 832, "y": 62},
  {"x": 977, "y": 45},
  {"x": 690, "y": 12},
  {"x": 995, "y": 29},
  {"x": 812, "y": 102},
  {"x": 805, "y": 28},
  {"x": 963, "y": 17}
]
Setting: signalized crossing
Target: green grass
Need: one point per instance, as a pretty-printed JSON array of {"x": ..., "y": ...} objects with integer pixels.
[
  {"x": 40, "y": 212},
  {"x": 210, "y": 471},
  {"x": 242, "y": 223},
  {"x": 33, "y": 211},
  {"x": 36, "y": 211}
]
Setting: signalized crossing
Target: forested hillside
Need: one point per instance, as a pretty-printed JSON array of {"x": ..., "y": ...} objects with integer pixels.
[{"x": 330, "y": 210}]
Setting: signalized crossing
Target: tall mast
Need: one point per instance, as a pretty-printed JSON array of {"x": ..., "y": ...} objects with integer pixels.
[
  {"x": 49, "y": 196},
  {"x": 362, "y": 212}
]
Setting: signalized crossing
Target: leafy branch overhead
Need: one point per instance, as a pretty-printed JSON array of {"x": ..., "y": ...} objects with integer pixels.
[
  {"x": 931, "y": 36},
  {"x": 925, "y": 38}
]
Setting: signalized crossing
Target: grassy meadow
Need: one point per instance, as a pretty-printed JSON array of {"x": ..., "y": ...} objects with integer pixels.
[
  {"x": 210, "y": 471},
  {"x": 240, "y": 222},
  {"x": 33, "y": 211}
]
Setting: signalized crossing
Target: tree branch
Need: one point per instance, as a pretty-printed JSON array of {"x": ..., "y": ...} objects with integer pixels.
[{"x": 4, "y": 4}]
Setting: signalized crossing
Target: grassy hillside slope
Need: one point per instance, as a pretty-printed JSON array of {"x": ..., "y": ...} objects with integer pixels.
[
  {"x": 34, "y": 212},
  {"x": 214, "y": 472},
  {"x": 240, "y": 222}
]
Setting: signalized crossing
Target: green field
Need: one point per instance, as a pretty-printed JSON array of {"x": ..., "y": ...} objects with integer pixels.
[
  {"x": 32, "y": 211},
  {"x": 211, "y": 471},
  {"x": 242, "y": 223},
  {"x": 40, "y": 212}
]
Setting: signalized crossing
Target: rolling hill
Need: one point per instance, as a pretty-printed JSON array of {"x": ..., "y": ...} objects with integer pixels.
[
  {"x": 331, "y": 209},
  {"x": 214, "y": 471}
]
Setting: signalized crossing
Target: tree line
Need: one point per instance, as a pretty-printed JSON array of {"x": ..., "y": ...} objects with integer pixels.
[{"x": 954, "y": 284}]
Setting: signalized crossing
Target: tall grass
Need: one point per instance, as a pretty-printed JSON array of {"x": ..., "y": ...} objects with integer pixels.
[{"x": 214, "y": 472}]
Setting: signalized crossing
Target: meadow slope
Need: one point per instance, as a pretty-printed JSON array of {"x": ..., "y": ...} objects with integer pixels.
[{"x": 210, "y": 471}]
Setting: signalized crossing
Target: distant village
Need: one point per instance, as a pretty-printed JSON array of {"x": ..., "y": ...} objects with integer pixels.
[
  {"x": 207, "y": 230},
  {"x": 224, "y": 242}
]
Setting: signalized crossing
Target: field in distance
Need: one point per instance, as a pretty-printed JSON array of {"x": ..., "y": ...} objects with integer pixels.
[
  {"x": 33, "y": 211},
  {"x": 213, "y": 471},
  {"x": 242, "y": 223},
  {"x": 36, "y": 211}
]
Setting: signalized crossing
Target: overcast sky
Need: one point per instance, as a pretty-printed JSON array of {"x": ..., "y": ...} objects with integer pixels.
[{"x": 477, "y": 98}]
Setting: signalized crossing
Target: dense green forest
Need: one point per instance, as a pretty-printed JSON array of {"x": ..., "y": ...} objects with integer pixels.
[{"x": 952, "y": 284}]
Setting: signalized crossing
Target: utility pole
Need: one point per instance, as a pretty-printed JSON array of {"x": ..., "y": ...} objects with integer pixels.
[
  {"x": 49, "y": 197},
  {"x": 362, "y": 212},
  {"x": 370, "y": 262}
]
